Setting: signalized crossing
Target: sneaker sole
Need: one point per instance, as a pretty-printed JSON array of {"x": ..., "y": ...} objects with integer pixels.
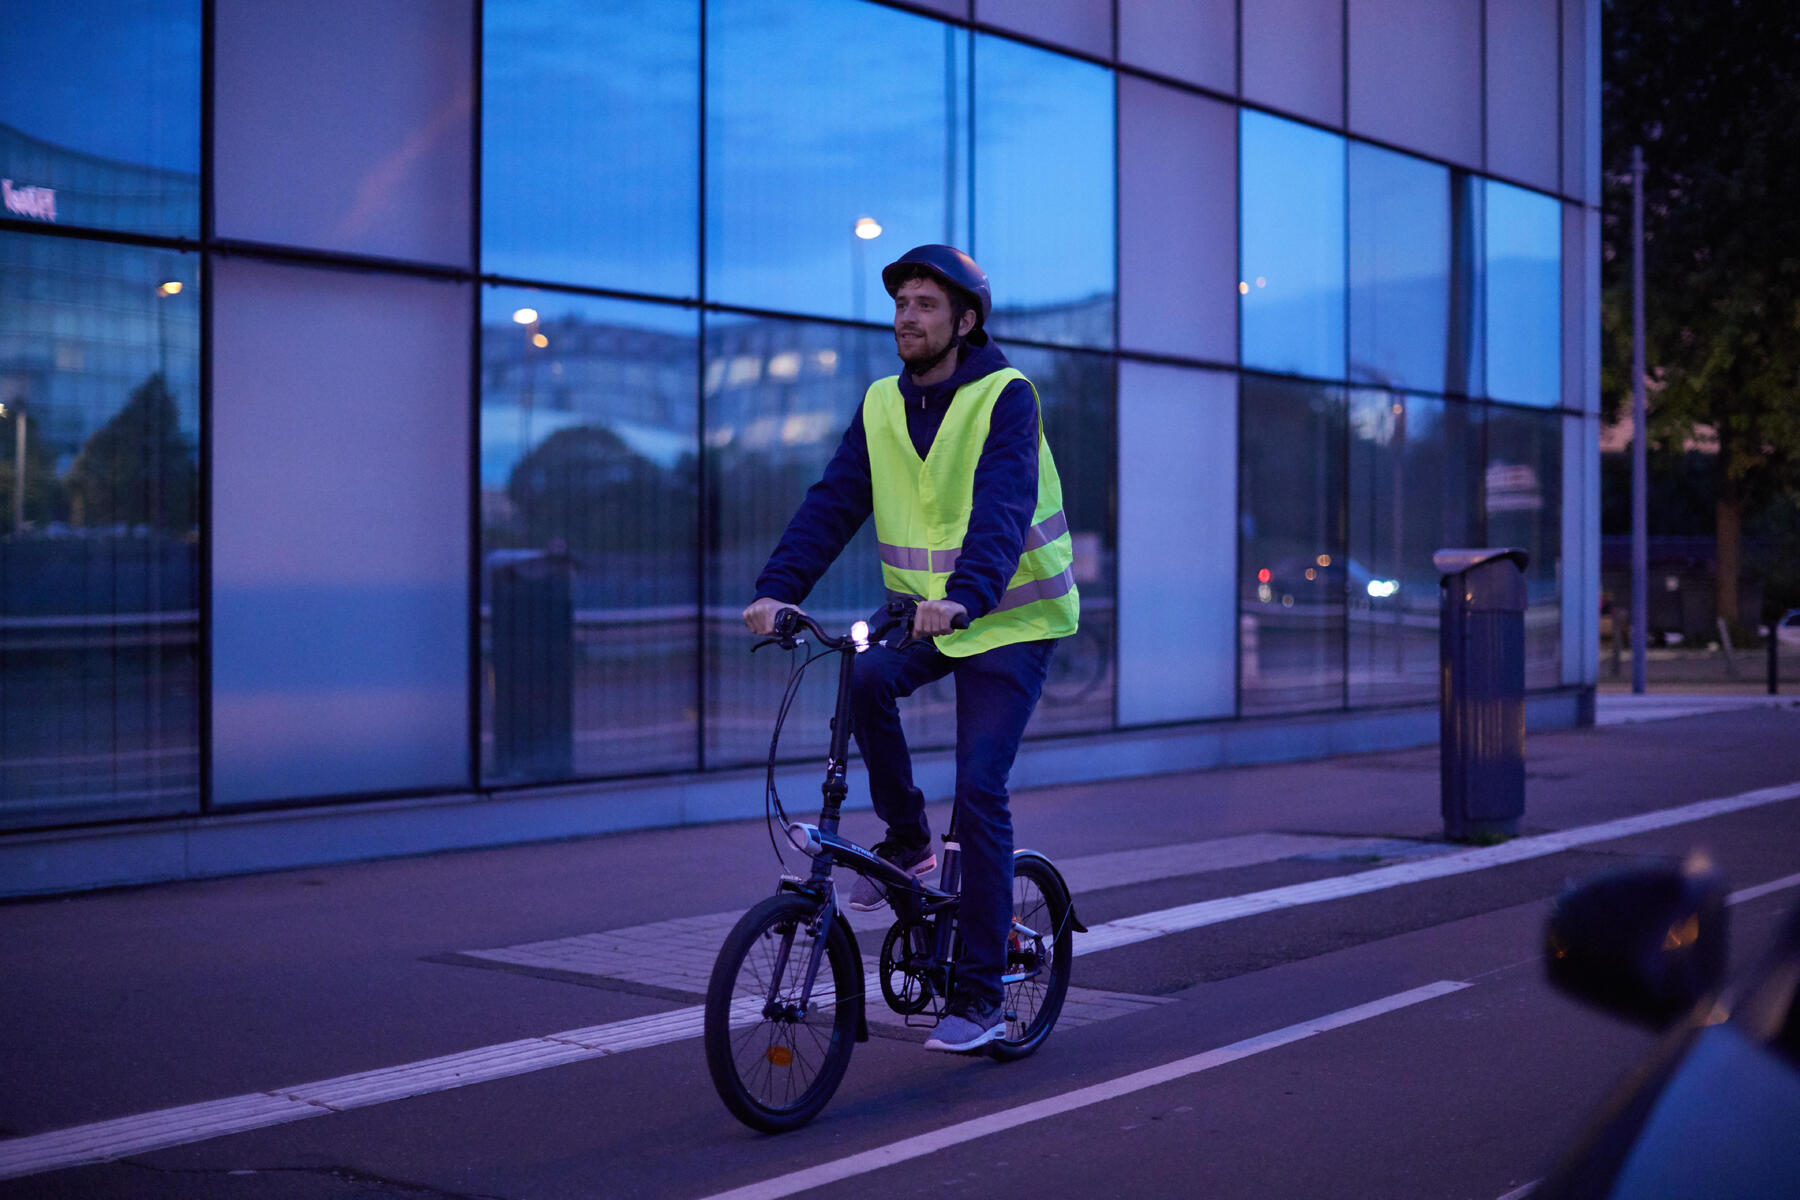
[{"x": 975, "y": 1043}]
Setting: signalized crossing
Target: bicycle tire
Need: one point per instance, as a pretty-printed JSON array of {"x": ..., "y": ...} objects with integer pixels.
[
  {"x": 775, "y": 1070},
  {"x": 1032, "y": 1003}
]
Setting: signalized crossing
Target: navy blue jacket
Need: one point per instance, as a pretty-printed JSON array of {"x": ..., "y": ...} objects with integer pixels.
[{"x": 1006, "y": 479}]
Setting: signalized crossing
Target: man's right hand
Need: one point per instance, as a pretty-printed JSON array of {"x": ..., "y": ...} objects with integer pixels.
[{"x": 760, "y": 616}]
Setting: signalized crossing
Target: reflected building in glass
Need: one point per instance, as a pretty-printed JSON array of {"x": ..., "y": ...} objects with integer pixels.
[{"x": 408, "y": 439}]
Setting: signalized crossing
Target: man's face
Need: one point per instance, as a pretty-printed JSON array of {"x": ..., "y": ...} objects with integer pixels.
[{"x": 922, "y": 328}]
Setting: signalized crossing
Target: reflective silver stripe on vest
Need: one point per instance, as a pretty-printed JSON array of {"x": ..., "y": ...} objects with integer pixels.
[
  {"x": 905, "y": 558},
  {"x": 918, "y": 558},
  {"x": 1037, "y": 589},
  {"x": 1047, "y": 530}
]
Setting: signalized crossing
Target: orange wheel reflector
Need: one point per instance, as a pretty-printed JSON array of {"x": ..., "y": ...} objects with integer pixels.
[{"x": 780, "y": 1056}]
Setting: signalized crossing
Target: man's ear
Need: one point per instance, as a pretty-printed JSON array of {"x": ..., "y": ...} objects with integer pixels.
[{"x": 964, "y": 326}]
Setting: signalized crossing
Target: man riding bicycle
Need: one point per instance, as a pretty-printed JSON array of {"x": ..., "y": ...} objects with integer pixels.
[{"x": 950, "y": 457}]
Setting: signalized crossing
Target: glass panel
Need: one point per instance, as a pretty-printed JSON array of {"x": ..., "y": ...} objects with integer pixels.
[
  {"x": 1292, "y": 248},
  {"x": 1414, "y": 67},
  {"x": 1177, "y": 278},
  {"x": 1177, "y": 599},
  {"x": 1524, "y": 295},
  {"x": 779, "y": 396},
  {"x": 821, "y": 114},
  {"x": 1523, "y": 75},
  {"x": 1044, "y": 192},
  {"x": 1294, "y": 56},
  {"x": 100, "y": 114},
  {"x": 589, "y": 486},
  {"x": 623, "y": 212},
  {"x": 1523, "y": 501},
  {"x": 1291, "y": 562},
  {"x": 1084, "y": 25},
  {"x": 340, "y": 573},
  {"x": 1078, "y": 393},
  {"x": 99, "y": 531},
  {"x": 1190, "y": 40},
  {"x": 304, "y": 156},
  {"x": 1399, "y": 269},
  {"x": 1415, "y": 479}
]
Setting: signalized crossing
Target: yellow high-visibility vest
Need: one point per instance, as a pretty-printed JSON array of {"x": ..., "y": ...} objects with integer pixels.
[{"x": 922, "y": 513}]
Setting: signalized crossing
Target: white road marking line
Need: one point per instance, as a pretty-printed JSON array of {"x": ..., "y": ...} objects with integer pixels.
[
  {"x": 1763, "y": 889},
  {"x": 105, "y": 1140},
  {"x": 1519, "y": 1193},
  {"x": 1145, "y": 926},
  {"x": 1012, "y": 1118}
]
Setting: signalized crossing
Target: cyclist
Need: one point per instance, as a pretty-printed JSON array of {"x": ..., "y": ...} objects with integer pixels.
[{"x": 949, "y": 456}]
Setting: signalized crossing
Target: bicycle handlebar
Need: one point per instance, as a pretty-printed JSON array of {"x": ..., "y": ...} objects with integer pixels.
[{"x": 790, "y": 621}]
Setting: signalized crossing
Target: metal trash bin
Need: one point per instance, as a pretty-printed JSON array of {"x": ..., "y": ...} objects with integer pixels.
[
  {"x": 533, "y": 632},
  {"x": 1481, "y": 691}
]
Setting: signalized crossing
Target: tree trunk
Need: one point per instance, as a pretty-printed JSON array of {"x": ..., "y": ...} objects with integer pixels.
[{"x": 1728, "y": 524}]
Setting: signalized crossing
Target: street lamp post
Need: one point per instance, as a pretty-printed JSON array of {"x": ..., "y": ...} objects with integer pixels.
[{"x": 866, "y": 229}]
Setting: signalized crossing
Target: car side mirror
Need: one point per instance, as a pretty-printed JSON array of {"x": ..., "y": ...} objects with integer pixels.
[{"x": 1647, "y": 942}]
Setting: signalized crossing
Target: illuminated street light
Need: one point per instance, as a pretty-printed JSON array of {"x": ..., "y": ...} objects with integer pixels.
[
  {"x": 539, "y": 340},
  {"x": 171, "y": 287},
  {"x": 525, "y": 316},
  {"x": 868, "y": 228}
]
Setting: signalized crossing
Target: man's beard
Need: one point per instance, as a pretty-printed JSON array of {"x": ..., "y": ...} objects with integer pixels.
[{"x": 926, "y": 358}]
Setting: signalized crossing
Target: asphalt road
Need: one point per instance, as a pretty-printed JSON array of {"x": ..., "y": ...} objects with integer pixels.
[{"x": 1445, "y": 1067}]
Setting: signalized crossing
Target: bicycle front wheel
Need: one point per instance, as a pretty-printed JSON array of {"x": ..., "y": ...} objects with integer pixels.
[
  {"x": 776, "y": 1055},
  {"x": 1039, "y": 955}
]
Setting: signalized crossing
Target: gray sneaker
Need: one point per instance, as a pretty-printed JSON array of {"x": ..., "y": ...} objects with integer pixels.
[
  {"x": 868, "y": 895},
  {"x": 966, "y": 1029}
]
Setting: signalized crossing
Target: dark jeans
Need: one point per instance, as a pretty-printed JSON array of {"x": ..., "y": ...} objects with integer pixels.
[{"x": 995, "y": 694}]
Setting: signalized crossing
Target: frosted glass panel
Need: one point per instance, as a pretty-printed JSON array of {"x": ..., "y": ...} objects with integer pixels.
[
  {"x": 1084, "y": 25},
  {"x": 1177, "y": 280},
  {"x": 340, "y": 511},
  {"x": 1522, "y": 77},
  {"x": 1191, "y": 40},
  {"x": 1294, "y": 56},
  {"x": 306, "y": 156},
  {"x": 1177, "y": 547},
  {"x": 1415, "y": 71}
]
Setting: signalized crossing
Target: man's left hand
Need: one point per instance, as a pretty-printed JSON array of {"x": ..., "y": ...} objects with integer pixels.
[{"x": 932, "y": 618}]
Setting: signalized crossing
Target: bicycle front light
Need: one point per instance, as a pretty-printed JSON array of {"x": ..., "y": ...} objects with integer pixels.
[
  {"x": 859, "y": 633},
  {"x": 805, "y": 838}
]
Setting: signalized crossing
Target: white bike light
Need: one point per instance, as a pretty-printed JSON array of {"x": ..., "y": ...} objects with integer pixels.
[{"x": 859, "y": 633}]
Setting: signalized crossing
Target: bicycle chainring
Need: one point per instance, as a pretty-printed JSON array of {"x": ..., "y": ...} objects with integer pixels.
[{"x": 905, "y": 967}]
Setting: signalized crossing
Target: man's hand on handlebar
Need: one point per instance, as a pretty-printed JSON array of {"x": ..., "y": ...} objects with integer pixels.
[
  {"x": 760, "y": 616},
  {"x": 934, "y": 618}
]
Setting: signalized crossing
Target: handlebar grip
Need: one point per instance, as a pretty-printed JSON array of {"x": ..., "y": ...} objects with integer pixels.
[
  {"x": 959, "y": 621},
  {"x": 787, "y": 622}
]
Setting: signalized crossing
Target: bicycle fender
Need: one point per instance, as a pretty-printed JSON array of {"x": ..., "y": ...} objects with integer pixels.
[
  {"x": 1074, "y": 921},
  {"x": 862, "y": 1012}
]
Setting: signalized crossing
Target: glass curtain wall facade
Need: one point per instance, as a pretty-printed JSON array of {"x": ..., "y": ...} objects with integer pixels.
[{"x": 356, "y": 448}]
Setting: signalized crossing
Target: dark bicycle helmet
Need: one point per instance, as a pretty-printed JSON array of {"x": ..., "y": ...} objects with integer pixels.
[{"x": 955, "y": 269}]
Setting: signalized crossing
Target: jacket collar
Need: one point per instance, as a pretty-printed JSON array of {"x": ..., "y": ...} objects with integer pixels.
[{"x": 977, "y": 362}]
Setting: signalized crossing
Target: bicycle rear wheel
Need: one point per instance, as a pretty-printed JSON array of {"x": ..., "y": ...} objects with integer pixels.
[
  {"x": 775, "y": 1055},
  {"x": 1038, "y": 958}
]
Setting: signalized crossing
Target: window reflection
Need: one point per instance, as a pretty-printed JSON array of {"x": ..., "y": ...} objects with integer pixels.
[
  {"x": 1044, "y": 192},
  {"x": 1522, "y": 499},
  {"x": 1292, "y": 569},
  {"x": 100, "y": 114},
  {"x": 1292, "y": 248},
  {"x": 1415, "y": 478},
  {"x": 1399, "y": 269},
  {"x": 590, "y": 150},
  {"x": 1524, "y": 295},
  {"x": 819, "y": 114},
  {"x": 99, "y": 534},
  {"x": 589, "y": 477}
]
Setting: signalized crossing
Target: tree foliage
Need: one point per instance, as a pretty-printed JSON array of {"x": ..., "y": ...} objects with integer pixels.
[{"x": 1712, "y": 94}]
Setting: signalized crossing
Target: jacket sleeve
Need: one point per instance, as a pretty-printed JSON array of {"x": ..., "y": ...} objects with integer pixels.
[
  {"x": 1006, "y": 479},
  {"x": 834, "y": 509}
]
